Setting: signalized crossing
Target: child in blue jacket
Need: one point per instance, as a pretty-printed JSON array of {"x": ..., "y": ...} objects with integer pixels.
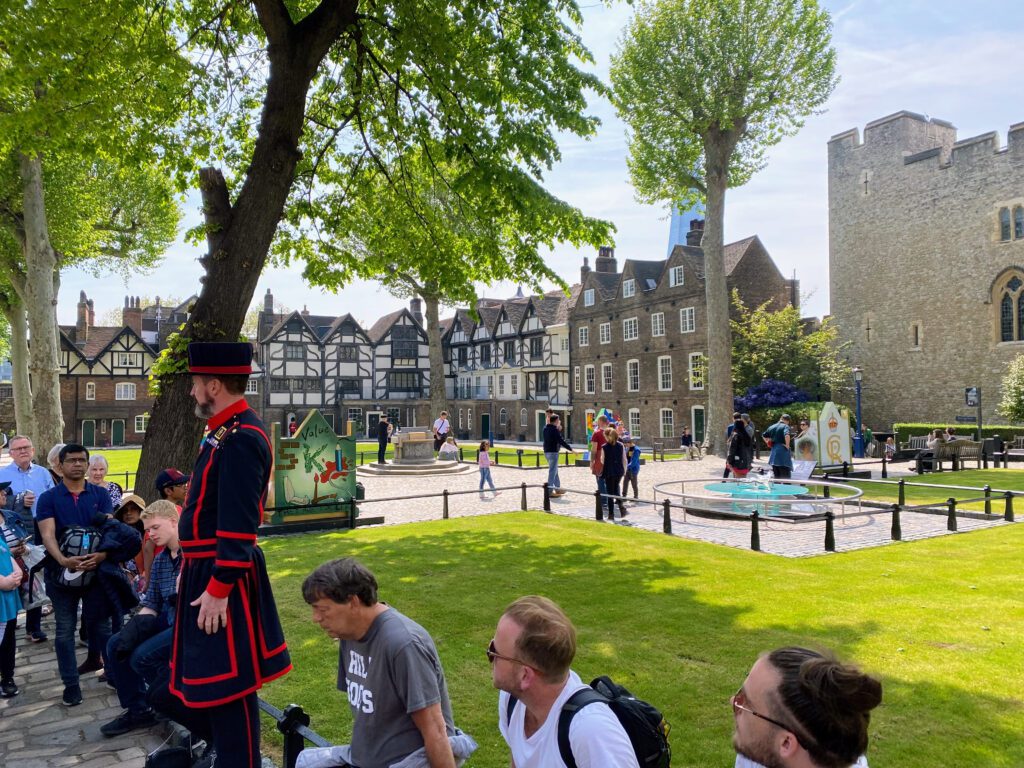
[{"x": 632, "y": 467}]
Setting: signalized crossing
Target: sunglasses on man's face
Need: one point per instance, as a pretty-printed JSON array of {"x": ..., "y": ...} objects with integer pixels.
[
  {"x": 492, "y": 654},
  {"x": 738, "y": 701}
]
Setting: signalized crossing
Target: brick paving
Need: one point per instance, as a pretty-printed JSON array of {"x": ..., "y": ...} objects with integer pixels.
[{"x": 39, "y": 732}]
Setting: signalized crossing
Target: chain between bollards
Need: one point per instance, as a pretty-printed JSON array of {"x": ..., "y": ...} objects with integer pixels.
[
  {"x": 897, "y": 530},
  {"x": 951, "y": 520},
  {"x": 666, "y": 525}
]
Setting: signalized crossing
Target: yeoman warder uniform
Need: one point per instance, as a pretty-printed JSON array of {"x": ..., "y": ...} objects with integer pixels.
[{"x": 220, "y": 673}]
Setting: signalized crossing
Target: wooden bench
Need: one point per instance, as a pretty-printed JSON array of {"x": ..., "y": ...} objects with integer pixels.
[
  {"x": 911, "y": 448},
  {"x": 956, "y": 452}
]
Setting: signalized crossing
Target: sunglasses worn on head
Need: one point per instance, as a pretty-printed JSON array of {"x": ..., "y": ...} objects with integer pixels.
[
  {"x": 738, "y": 707},
  {"x": 492, "y": 654}
]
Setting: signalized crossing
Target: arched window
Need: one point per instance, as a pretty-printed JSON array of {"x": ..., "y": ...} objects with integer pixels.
[
  {"x": 503, "y": 417},
  {"x": 1018, "y": 222},
  {"x": 1006, "y": 318},
  {"x": 524, "y": 420},
  {"x": 1009, "y": 289},
  {"x": 1004, "y": 224}
]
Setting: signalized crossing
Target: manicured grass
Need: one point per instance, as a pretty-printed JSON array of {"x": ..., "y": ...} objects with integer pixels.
[
  {"x": 122, "y": 460},
  {"x": 997, "y": 479},
  {"x": 680, "y": 622}
]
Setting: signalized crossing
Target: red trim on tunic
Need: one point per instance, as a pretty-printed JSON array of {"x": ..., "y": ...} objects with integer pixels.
[
  {"x": 230, "y": 629},
  {"x": 198, "y": 543},
  {"x": 235, "y": 535},
  {"x": 228, "y": 699},
  {"x": 200, "y": 497},
  {"x": 232, "y": 563},
  {"x": 218, "y": 588},
  {"x": 220, "y": 419}
]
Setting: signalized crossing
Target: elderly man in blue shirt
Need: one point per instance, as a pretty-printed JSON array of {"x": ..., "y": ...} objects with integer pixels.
[{"x": 28, "y": 482}]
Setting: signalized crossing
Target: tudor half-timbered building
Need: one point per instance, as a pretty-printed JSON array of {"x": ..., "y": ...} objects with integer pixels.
[
  {"x": 509, "y": 365},
  {"x": 104, "y": 378}
]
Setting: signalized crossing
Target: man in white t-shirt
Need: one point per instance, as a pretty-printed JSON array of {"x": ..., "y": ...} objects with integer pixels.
[
  {"x": 441, "y": 429},
  {"x": 532, "y": 650}
]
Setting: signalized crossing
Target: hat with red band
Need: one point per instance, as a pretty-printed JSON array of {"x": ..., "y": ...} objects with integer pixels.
[{"x": 224, "y": 358}]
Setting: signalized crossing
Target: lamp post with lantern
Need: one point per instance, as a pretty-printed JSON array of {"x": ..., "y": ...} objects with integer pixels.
[{"x": 858, "y": 438}]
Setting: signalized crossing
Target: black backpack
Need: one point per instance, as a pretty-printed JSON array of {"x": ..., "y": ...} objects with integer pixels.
[
  {"x": 643, "y": 722},
  {"x": 76, "y": 542}
]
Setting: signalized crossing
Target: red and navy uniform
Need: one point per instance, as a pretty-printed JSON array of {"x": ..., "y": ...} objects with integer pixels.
[{"x": 217, "y": 529}]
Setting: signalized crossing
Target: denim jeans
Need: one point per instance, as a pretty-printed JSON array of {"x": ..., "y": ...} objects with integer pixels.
[
  {"x": 553, "y": 480},
  {"x": 132, "y": 676},
  {"x": 485, "y": 477},
  {"x": 65, "y": 613}
]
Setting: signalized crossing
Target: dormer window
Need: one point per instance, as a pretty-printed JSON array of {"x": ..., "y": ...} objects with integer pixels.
[
  {"x": 588, "y": 297},
  {"x": 675, "y": 277},
  {"x": 628, "y": 288}
]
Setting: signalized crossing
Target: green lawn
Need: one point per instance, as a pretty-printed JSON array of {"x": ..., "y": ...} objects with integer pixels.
[{"x": 680, "y": 622}]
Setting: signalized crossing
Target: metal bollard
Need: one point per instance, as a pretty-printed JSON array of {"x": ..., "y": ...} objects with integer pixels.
[
  {"x": 519, "y": 455},
  {"x": 951, "y": 520},
  {"x": 988, "y": 499},
  {"x": 667, "y": 523},
  {"x": 536, "y": 460},
  {"x": 901, "y": 497},
  {"x": 897, "y": 530},
  {"x": 461, "y": 457},
  {"x": 1008, "y": 514},
  {"x": 522, "y": 498},
  {"x": 294, "y": 742},
  {"x": 826, "y": 491},
  {"x": 984, "y": 459},
  {"x": 352, "y": 513},
  {"x": 547, "y": 498},
  {"x": 566, "y": 459},
  {"x": 755, "y": 532},
  {"x": 497, "y": 458},
  {"x": 598, "y": 507},
  {"x": 444, "y": 511},
  {"x": 830, "y": 532},
  {"x": 885, "y": 470},
  {"x": 846, "y": 469}
]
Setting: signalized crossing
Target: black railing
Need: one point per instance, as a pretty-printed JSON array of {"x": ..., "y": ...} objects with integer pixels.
[{"x": 293, "y": 723}]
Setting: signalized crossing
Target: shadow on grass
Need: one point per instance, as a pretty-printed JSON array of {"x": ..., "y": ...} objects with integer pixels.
[{"x": 666, "y": 618}]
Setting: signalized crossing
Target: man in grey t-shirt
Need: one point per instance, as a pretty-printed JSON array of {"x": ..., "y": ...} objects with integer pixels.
[{"x": 388, "y": 666}]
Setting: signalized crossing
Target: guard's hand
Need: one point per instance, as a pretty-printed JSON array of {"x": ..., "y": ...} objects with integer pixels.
[{"x": 213, "y": 612}]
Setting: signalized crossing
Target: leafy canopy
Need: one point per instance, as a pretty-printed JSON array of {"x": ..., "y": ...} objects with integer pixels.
[
  {"x": 754, "y": 67},
  {"x": 769, "y": 344},
  {"x": 1012, "y": 403}
]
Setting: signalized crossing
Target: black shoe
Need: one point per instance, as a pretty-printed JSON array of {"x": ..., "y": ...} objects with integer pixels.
[
  {"x": 623, "y": 512},
  {"x": 91, "y": 664},
  {"x": 128, "y": 721},
  {"x": 72, "y": 695},
  {"x": 8, "y": 689},
  {"x": 37, "y": 637}
]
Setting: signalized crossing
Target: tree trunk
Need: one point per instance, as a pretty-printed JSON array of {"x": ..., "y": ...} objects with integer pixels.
[
  {"x": 718, "y": 375},
  {"x": 40, "y": 298},
  {"x": 23, "y": 416},
  {"x": 239, "y": 236},
  {"x": 438, "y": 396}
]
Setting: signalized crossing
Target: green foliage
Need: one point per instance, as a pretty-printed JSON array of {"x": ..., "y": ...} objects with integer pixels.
[
  {"x": 765, "y": 417},
  {"x": 1012, "y": 403},
  {"x": 906, "y": 430},
  {"x": 680, "y": 625},
  {"x": 776, "y": 344},
  {"x": 749, "y": 70},
  {"x": 173, "y": 361}
]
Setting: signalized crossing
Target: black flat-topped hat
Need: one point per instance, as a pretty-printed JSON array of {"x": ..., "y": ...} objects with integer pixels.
[{"x": 220, "y": 357}]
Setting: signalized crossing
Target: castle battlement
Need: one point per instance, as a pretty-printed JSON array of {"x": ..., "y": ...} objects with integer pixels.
[{"x": 914, "y": 138}]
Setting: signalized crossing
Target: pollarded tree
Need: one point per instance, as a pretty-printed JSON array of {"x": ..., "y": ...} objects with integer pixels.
[
  {"x": 705, "y": 87},
  {"x": 316, "y": 92},
  {"x": 436, "y": 230},
  {"x": 1012, "y": 403}
]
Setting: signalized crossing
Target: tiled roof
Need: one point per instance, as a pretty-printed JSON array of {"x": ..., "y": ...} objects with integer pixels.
[
  {"x": 379, "y": 329},
  {"x": 98, "y": 339}
]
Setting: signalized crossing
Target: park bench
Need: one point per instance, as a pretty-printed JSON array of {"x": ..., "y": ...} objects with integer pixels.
[
  {"x": 1018, "y": 442},
  {"x": 956, "y": 452},
  {"x": 912, "y": 447}
]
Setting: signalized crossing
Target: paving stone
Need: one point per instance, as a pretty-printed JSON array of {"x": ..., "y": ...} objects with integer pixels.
[{"x": 60, "y": 725}]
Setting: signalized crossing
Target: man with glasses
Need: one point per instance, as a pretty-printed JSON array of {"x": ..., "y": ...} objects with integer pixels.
[
  {"x": 803, "y": 709},
  {"x": 28, "y": 482},
  {"x": 73, "y": 503},
  {"x": 389, "y": 668},
  {"x": 532, "y": 650}
]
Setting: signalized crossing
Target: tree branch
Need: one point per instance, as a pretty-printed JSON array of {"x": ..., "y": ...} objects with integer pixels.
[{"x": 276, "y": 21}]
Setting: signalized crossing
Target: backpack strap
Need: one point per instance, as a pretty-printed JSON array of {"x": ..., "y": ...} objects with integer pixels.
[
  {"x": 576, "y": 702},
  {"x": 512, "y": 701}
]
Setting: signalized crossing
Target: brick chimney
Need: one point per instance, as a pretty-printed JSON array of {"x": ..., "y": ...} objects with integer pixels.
[
  {"x": 696, "y": 233},
  {"x": 416, "y": 308},
  {"x": 131, "y": 314},
  {"x": 92, "y": 314},
  {"x": 585, "y": 269},
  {"x": 268, "y": 303},
  {"x": 82, "y": 324},
  {"x": 606, "y": 260},
  {"x": 305, "y": 311}
]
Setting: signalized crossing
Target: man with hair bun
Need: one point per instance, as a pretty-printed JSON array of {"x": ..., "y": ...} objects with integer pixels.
[{"x": 800, "y": 708}]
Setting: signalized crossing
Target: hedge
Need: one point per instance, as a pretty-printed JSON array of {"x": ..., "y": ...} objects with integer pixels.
[{"x": 906, "y": 430}]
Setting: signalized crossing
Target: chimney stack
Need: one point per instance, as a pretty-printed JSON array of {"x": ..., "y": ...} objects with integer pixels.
[
  {"x": 606, "y": 260},
  {"x": 585, "y": 269},
  {"x": 416, "y": 308},
  {"x": 268, "y": 303},
  {"x": 131, "y": 314},
  {"x": 82, "y": 323},
  {"x": 696, "y": 233},
  {"x": 92, "y": 314},
  {"x": 305, "y": 311}
]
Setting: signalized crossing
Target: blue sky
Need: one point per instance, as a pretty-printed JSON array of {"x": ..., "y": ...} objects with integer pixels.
[{"x": 959, "y": 62}]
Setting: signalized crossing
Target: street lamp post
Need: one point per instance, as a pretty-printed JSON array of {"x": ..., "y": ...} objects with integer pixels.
[
  {"x": 490, "y": 411},
  {"x": 858, "y": 438}
]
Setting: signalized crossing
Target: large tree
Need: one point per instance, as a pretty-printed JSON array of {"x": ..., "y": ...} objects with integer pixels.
[
  {"x": 317, "y": 92},
  {"x": 731, "y": 78},
  {"x": 87, "y": 91},
  {"x": 437, "y": 229}
]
